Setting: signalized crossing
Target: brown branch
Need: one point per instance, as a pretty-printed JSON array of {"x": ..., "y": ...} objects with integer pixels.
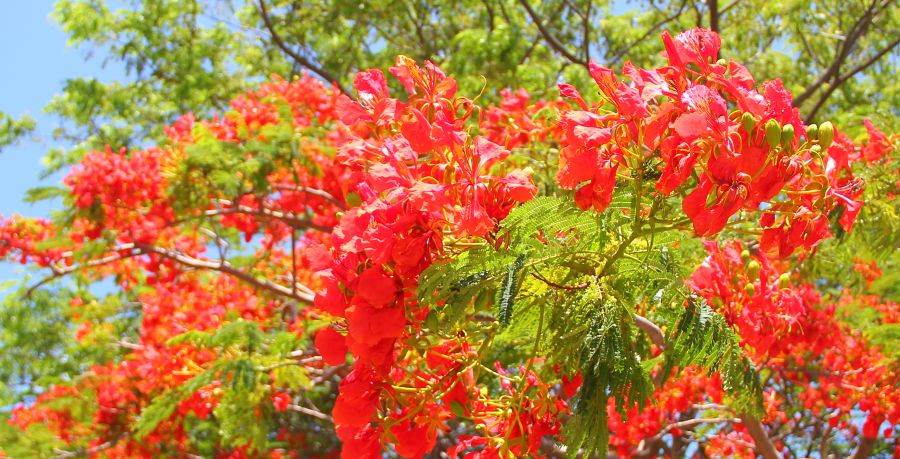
[
  {"x": 865, "y": 448},
  {"x": 287, "y": 218},
  {"x": 66, "y": 270},
  {"x": 89, "y": 451},
  {"x": 325, "y": 74},
  {"x": 586, "y": 26},
  {"x": 311, "y": 412},
  {"x": 548, "y": 36},
  {"x": 303, "y": 292},
  {"x": 839, "y": 81},
  {"x": 714, "y": 15},
  {"x": 651, "y": 445},
  {"x": 856, "y": 31},
  {"x": 313, "y": 191},
  {"x": 550, "y": 283},
  {"x": 764, "y": 446},
  {"x": 651, "y": 329},
  {"x": 621, "y": 53},
  {"x": 728, "y": 7}
]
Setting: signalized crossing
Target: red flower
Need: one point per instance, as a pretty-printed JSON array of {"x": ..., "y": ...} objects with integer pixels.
[
  {"x": 281, "y": 401},
  {"x": 332, "y": 346}
]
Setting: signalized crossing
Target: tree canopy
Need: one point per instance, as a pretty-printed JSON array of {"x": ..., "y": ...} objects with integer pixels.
[
  {"x": 502, "y": 249},
  {"x": 838, "y": 58}
]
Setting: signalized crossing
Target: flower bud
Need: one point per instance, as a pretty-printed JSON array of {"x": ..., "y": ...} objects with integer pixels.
[
  {"x": 749, "y": 289},
  {"x": 826, "y": 134},
  {"x": 745, "y": 255},
  {"x": 787, "y": 135},
  {"x": 773, "y": 133},
  {"x": 784, "y": 280},
  {"x": 748, "y": 121},
  {"x": 816, "y": 151},
  {"x": 753, "y": 270},
  {"x": 812, "y": 132}
]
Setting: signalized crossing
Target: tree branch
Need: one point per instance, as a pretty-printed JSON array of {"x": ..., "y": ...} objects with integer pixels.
[
  {"x": 651, "y": 445},
  {"x": 865, "y": 448},
  {"x": 311, "y": 412},
  {"x": 287, "y": 218},
  {"x": 312, "y": 191},
  {"x": 856, "y": 31},
  {"x": 551, "y": 40},
  {"x": 89, "y": 451},
  {"x": 764, "y": 446},
  {"x": 839, "y": 81},
  {"x": 621, "y": 53},
  {"x": 325, "y": 74},
  {"x": 652, "y": 330},
  {"x": 714, "y": 15},
  {"x": 303, "y": 292},
  {"x": 66, "y": 270}
]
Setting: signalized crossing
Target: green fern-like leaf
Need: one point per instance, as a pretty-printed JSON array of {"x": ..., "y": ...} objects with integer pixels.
[
  {"x": 610, "y": 367},
  {"x": 507, "y": 294},
  {"x": 702, "y": 338}
]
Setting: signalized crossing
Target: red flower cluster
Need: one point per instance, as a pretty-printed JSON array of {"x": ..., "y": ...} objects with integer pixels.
[
  {"x": 751, "y": 291},
  {"x": 419, "y": 174},
  {"x": 798, "y": 336},
  {"x": 713, "y": 134},
  {"x": 115, "y": 187},
  {"x": 126, "y": 197}
]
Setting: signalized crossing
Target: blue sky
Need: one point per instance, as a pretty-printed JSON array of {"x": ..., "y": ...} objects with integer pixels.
[{"x": 36, "y": 63}]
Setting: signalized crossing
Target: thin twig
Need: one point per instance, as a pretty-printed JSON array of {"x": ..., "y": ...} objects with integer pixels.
[
  {"x": 570, "y": 288},
  {"x": 325, "y": 74},
  {"x": 551, "y": 40},
  {"x": 653, "y": 331},
  {"x": 89, "y": 451},
  {"x": 303, "y": 292}
]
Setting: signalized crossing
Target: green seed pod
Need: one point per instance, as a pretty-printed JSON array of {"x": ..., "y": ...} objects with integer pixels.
[
  {"x": 745, "y": 255},
  {"x": 826, "y": 134},
  {"x": 753, "y": 270},
  {"x": 812, "y": 132},
  {"x": 748, "y": 121},
  {"x": 784, "y": 280},
  {"x": 749, "y": 289},
  {"x": 787, "y": 135},
  {"x": 722, "y": 62},
  {"x": 773, "y": 133}
]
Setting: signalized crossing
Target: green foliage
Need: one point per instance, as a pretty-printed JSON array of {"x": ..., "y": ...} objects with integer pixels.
[
  {"x": 247, "y": 356},
  {"x": 12, "y": 130},
  {"x": 610, "y": 367},
  {"x": 191, "y": 57},
  {"x": 35, "y": 333},
  {"x": 37, "y": 339},
  {"x": 567, "y": 235},
  {"x": 506, "y": 295},
  {"x": 702, "y": 338},
  {"x": 566, "y": 280}
]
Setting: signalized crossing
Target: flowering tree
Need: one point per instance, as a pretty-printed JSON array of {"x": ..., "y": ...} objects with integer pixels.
[{"x": 653, "y": 269}]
